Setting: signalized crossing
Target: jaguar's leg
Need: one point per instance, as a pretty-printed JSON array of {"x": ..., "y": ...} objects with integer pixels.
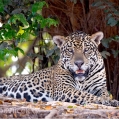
[
  {"x": 105, "y": 94},
  {"x": 75, "y": 96}
]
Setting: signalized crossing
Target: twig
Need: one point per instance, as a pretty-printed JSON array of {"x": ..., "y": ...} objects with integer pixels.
[{"x": 52, "y": 114}]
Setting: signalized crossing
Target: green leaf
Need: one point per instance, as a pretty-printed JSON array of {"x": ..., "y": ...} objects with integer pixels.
[
  {"x": 105, "y": 42},
  {"x": 24, "y": 37},
  {"x": 108, "y": 16},
  {"x": 1, "y": 6},
  {"x": 2, "y": 55},
  {"x": 19, "y": 49},
  {"x": 112, "y": 21},
  {"x": 105, "y": 54},
  {"x": 81, "y": 1},
  {"x": 106, "y": 10},
  {"x": 102, "y": 7},
  {"x": 6, "y": 52},
  {"x": 70, "y": 107},
  {"x": 116, "y": 13},
  {"x": 3, "y": 45},
  {"x": 116, "y": 38},
  {"x": 115, "y": 53},
  {"x": 49, "y": 53},
  {"x": 40, "y": 56},
  {"x": 7, "y": 33},
  {"x": 45, "y": 22},
  {"x": 38, "y": 6},
  {"x": 3, "y": 3},
  {"x": 96, "y": 4},
  {"x": 109, "y": 3},
  {"x": 75, "y": 1},
  {"x": 56, "y": 59},
  {"x": 11, "y": 51},
  {"x": 57, "y": 51},
  {"x": 20, "y": 17},
  {"x": 51, "y": 21},
  {"x": 32, "y": 55},
  {"x": 16, "y": 11}
]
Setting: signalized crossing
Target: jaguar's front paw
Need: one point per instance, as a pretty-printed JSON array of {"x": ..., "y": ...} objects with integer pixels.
[{"x": 114, "y": 103}]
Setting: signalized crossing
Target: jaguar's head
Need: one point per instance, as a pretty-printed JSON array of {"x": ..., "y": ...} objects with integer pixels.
[{"x": 79, "y": 52}]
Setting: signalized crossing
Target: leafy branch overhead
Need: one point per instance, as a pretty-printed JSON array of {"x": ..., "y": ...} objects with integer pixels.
[
  {"x": 20, "y": 20},
  {"x": 111, "y": 12}
]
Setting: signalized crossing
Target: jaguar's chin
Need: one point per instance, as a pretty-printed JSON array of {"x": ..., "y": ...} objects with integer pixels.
[
  {"x": 80, "y": 78},
  {"x": 80, "y": 74}
]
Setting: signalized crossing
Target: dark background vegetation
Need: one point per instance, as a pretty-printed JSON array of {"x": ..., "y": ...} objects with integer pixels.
[{"x": 60, "y": 17}]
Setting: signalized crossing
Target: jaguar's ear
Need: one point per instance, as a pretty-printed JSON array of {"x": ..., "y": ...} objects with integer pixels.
[
  {"x": 97, "y": 37},
  {"x": 59, "y": 40}
]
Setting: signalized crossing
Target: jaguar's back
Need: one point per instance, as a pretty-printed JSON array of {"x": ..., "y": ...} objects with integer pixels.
[{"x": 32, "y": 87}]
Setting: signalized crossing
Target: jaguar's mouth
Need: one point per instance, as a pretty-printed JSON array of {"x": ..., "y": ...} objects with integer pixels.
[{"x": 80, "y": 72}]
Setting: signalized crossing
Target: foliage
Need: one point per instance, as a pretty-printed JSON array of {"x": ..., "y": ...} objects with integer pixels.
[
  {"x": 22, "y": 20},
  {"x": 74, "y": 1},
  {"x": 112, "y": 17}
]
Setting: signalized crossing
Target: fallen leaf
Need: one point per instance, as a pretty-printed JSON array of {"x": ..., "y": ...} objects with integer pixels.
[
  {"x": 48, "y": 107},
  {"x": 77, "y": 104},
  {"x": 59, "y": 103},
  {"x": 72, "y": 106},
  {"x": 71, "y": 111},
  {"x": 14, "y": 115},
  {"x": 24, "y": 100},
  {"x": 91, "y": 106},
  {"x": 1, "y": 102},
  {"x": 111, "y": 97},
  {"x": 14, "y": 103},
  {"x": 41, "y": 102},
  {"x": 117, "y": 107},
  {"x": 9, "y": 101},
  {"x": 29, "y": 106},
  {"x": 4, "y": 115},
  {"x": 21, "y": 31},
  {"x": 37, "y": 106}
]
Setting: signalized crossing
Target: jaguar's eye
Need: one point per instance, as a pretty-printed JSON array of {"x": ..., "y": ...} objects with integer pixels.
[
  {"x": 71, "y": 50},
  {"x": 85, "y": 50}
]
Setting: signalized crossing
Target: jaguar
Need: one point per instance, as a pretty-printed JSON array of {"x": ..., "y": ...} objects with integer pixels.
[{"x": 78, "y": 77}]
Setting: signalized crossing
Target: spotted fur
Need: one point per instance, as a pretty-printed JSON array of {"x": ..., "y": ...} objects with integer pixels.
[
  {"x": 94, "y": 79},
  {"x": 79, "y": 68}
]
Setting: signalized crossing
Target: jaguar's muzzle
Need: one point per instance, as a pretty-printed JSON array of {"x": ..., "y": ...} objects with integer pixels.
[{"x": 79, "y": 73}]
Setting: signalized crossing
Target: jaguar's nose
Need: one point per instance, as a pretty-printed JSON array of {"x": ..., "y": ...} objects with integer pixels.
[{"x": 79, "y": 63}]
